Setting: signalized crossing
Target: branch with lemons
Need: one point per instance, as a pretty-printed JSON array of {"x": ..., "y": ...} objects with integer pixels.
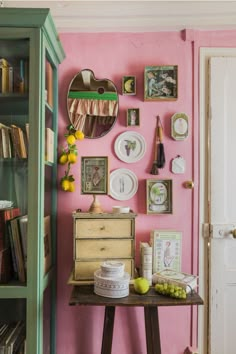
[{"x": 69, "y": 156}]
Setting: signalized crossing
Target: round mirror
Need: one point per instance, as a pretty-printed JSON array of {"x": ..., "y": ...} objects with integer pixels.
[{"x": 92, "y": 104}]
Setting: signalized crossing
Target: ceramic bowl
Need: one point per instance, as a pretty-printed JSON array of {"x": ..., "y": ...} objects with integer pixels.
[
  {"x": 111, "y": 287},
  {"x": 112, "y": 269}
]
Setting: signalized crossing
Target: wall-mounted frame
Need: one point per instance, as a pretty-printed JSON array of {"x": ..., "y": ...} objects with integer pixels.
[
  {"x": 179, "y": 126},
  {"x": 133, "y": 117},
  {"x": 167, "y": 249},
  {"x": 161, "y": 83},
  {"x": 159, "y": 196},
  {"x": 95, "y": 175},
  {"x": 129, "y": 85}
]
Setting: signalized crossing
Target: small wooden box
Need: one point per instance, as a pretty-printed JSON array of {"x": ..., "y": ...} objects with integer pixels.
[{"x": 101, "y": 237}]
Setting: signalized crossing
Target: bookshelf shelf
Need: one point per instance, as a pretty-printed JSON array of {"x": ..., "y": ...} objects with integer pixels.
[{"x": 28, "y": 235}]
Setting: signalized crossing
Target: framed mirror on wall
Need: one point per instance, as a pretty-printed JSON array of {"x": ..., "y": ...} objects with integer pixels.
[{"x": 92, "y": 104}]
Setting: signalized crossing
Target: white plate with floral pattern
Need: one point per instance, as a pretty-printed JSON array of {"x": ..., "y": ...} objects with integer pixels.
[{"x": 130, "y": 147}]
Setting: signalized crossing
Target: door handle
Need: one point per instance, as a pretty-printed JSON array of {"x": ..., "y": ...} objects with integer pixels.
[{"x": 233, "y": 232}]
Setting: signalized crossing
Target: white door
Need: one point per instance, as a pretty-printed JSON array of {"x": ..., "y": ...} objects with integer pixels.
[{"x": 222, "y": 205}]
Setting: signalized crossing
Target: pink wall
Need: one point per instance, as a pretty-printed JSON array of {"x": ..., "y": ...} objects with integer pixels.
[{"x": 114, "y": 55}]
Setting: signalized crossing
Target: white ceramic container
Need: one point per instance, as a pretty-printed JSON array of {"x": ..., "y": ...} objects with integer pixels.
[{"x": 111, "y": 287}]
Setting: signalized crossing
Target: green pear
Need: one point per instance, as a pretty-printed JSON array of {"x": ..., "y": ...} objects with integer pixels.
[{"x": 141, "y": 285}]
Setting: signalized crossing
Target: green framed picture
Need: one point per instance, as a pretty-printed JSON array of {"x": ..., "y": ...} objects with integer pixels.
[
  {"x": 159, "y": 196},
  {"x": 161, "y": 83},
  {"x": 94, "y": 175}
]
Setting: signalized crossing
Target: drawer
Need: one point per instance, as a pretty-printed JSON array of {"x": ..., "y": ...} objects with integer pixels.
[
  {"x": 85, "y": 270},
  {"x": 104, "y": 248},
  {"x": 100, "y": 228}
]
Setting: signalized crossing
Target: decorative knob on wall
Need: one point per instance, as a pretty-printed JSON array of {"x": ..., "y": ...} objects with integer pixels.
[{"x": 189, "y": 184}]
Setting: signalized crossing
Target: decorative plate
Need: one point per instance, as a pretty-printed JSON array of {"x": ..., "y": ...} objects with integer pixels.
[
  {"x": 179, "y": 126},
  {"x": 130, "y": 147},
  {"x": 123, "y": 184}
]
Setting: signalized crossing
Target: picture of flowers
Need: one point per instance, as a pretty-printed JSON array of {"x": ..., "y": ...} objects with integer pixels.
[{"x": 160, "y": 83}]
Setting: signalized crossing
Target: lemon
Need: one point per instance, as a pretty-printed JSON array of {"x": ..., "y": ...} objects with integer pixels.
[
  {"x": 65, "y": 185},
  {"x": 79, "y": 135},
  {"x": 63, "y": 159},
  {"x": 72, "y": 157},
  {"x": 71, "y": 187},
  {"x": 71, "y": 139},
  {"x": 141, "y": 285}
]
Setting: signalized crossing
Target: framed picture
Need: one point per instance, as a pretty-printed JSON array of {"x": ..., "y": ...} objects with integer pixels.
[
  {"x": 133, "y": 117},
  {"x": 167, "y": 249},
  {"x": 129, "y": 85},
  {"x": 160, "y": 83},
  {"x": 94, "y": 175},
  {"x": 159, "y": 196}
]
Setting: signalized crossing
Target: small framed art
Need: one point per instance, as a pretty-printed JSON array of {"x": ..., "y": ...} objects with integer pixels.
[
  {"x": 159, "y": 196},
  {"x": 133, "y": 117},
  {"x": 95, "y": 175},
  {"x": 167, "y": 249},
  {"x": 129, "y": 85},
  {"x": 161, "y": 83}
]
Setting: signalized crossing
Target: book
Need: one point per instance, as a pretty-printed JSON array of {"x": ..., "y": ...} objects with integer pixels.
[
  {"x": 18, "y": 250},
  {"x": 167, "y": 249},
  {"x": 49, "y": 145},
  {"x": 6, "y": 214},
  {"x": 186, "y": 281},
  {"x": 146, "y": 261},
  {"x": 49, "y": 83},
  {"x": 47, "y": 244},
  {"x": 23, "y": 228}
]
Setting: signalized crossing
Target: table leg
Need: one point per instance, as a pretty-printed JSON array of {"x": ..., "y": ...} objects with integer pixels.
[
  {"x": 152, "y": 330},
  {"x": 108, "y": 329}
]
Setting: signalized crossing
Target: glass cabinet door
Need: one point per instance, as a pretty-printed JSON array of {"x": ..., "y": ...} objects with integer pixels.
[{"x": 28, "y": 145}]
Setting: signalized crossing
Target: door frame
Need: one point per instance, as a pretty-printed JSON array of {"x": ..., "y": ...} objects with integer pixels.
[{"x": 204, "y": 291}]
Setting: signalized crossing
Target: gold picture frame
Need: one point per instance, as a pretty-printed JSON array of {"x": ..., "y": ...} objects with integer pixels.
[
  {"x": 161, "y": 83},
  {"x": 133, "y": 117},
  {"x": 159, "y": 196},
  {"x": 94, "y": 175},
  {"x": 129, "y": 85}
]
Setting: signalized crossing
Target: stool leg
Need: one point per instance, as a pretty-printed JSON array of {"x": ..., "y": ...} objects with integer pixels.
[
  {"x": 108, "y": 329},
  {"x": 152, "y": 330}
]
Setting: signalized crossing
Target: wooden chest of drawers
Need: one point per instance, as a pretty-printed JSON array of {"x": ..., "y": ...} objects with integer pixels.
[{"x": 100, "y": 237}]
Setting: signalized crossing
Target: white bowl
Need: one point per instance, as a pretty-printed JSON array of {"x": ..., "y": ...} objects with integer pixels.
[
  {"x": 121, "y": 209},
  {"x": 112, "y": 269}
]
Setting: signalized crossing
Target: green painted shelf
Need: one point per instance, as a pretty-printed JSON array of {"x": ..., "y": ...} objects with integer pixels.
[{"x": 32, "y": 51}]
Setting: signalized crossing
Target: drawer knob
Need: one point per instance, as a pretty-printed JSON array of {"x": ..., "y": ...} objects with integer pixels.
[
  {"x": 102, "y": 249},
  {"x": 102, "y": 228}
]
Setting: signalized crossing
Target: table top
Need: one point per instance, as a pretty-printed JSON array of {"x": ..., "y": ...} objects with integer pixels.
[{"x": 84, "y": 295}]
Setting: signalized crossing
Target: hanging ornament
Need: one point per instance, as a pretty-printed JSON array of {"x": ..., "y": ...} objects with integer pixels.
[{"x": 178, "y": 165}]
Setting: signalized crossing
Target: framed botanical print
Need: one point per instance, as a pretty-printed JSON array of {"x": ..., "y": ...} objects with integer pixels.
[
  {"x": 133, "y": 117},
  {"x": 94, "y": 175},
  {"x": 159, "y": 196},
  {"x": 161, "y": 83}
]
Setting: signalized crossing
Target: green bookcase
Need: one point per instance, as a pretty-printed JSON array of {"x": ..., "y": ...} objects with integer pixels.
[{"x": 31, "y": 52}]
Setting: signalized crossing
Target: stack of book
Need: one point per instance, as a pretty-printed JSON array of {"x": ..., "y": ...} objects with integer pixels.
[
  {"x": 13, "y": 338},
  {"x": 146, "y": 261},
  {"x": 14, "y": 78},
  {"x": 13, "y": 141}
]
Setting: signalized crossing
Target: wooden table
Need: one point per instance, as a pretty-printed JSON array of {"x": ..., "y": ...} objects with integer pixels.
[{"x": 84, "y": 295}]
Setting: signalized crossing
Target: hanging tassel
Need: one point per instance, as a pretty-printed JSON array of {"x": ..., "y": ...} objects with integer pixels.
[
  {"x": 154, "y": 170},
  {"x": 161, "y": 152}
]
